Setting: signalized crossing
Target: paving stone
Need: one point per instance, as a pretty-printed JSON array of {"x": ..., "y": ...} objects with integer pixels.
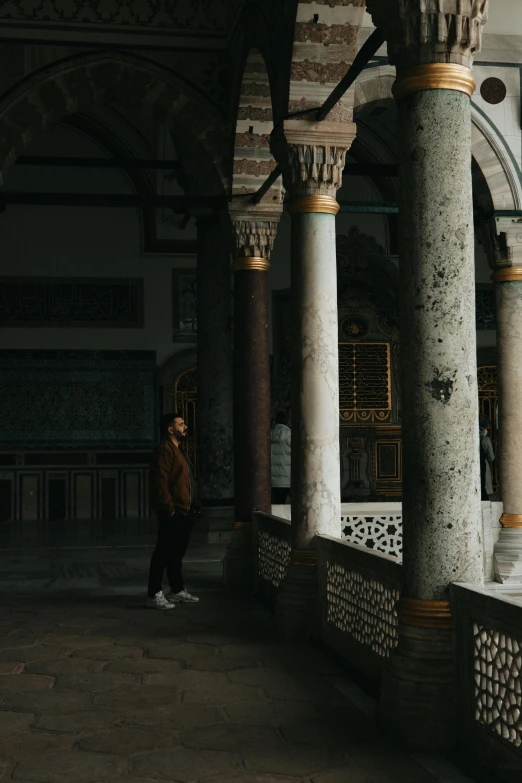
[
  {"x": 43, "y": 701},
  {"x": 24, "y": 743},
  {"x": 12, "y": 722},
  {"x": 141, "y": 666},
  {"x": 9, "y": 667},
  {"x": 177, "y": 716},
  {"x": 179, "y": 652},
  {"x": 290, "y": 759},
  {"x": 97, "y": 681},
  {"x": 251, "y": 777},
  {"x": 218, "y": 663},
  {"x": 19, "y": 683},
  {"x": 358, "y": 775},
  {"x": 187, "y": 765},
  {"x": 16, "y": 640},
  {"x": 63, "y": 666},
  {"x": 126, "y": 741},
  {"x": 136, "y": 698},
  {"x": 249, "y": 650},
  {"x": 231, "y": 737},
  {"x": 216, "y": 640},
  {"x": 108, "y": 653},
  {"x": 225, "y": 693},
  {"x": 270, "y": 713},
  {"x": 83, "y": 721},
  {"x": 264, "y": 677},
  {"x": 323, "y": 730},
  {"x": 75, "y": 642},
  {"x": 74, "y": 765},
  {"x": 29, "y": 654},
  {"x": 186, "y": 678}
]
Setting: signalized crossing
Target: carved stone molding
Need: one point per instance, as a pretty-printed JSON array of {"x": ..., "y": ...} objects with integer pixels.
[
  {"x": 312, "y": 155},
  {"x": 430, "y": 31},
  {"x": 253, "y": 230},
  {"x": 502, "y": 241}
]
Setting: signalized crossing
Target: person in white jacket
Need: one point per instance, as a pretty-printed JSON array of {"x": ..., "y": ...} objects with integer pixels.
[{"x": 281, "y": 459}]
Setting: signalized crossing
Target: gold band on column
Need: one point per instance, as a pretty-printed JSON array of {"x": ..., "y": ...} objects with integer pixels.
[
  {"x": 250, "y": 263},
  {"x": 303, "y": 557},
  {"x": 507, "y": 274},
  {"x": 242, "y": 528},
  {"x": 511, "y": 520},
  {"x": 434, "y": 76},
  {"x": 424, "y": 614},
  {"x": 326, "y": 204}
]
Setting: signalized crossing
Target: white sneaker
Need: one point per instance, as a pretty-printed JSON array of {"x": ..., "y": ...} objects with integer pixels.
[
  {"x": 182, "y": 597},
  {"x": 159, "y": 602}
]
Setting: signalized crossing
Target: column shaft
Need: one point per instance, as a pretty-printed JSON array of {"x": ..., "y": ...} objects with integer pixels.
[
  {"x": 251, "y": 394},
  {"x": 316, "y": 506},
  {"x": 441, "y": 495},
  {"x": 215, "y": 376},
  {"x": 509, "y": 347}
]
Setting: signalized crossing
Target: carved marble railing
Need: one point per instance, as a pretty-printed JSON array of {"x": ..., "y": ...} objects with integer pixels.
[
  {"x": 488, "y": 628},
  {"x": 271, "y": 553},
  {"x": 358, "y": 591},
  {"x": 376, "y": 526}
]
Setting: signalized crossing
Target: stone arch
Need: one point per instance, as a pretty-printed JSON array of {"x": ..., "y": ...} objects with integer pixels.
[
  {"x": 253, "y": 160},
  {"x": 498, "y": 169},
  {"x": 77, "y": 83},
  {"x": 181, "y": 362}
]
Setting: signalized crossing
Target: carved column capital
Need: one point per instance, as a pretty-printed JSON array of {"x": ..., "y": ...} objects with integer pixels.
[
  {"x": 312, "y": 155},
  {"x": 253, "y": 230},
  {"x": 420, "y": 32}
]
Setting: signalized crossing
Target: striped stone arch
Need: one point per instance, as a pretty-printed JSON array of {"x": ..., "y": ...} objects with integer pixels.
[
  {"x": 253, "y": 161},
  {"x": 81, "y": 82},
  {"x": 326, "y": 41}
]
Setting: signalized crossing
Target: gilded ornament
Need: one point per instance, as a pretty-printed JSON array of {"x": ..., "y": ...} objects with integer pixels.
[
  {"x": 424, "y": 613},
  {"x": 434, "y": 76},
  {"x": 511, "y": 520},
  {"x": 315, "y": 203},
  {"x": 250, "y": 264},
  {"x": 508, "y": 274}
]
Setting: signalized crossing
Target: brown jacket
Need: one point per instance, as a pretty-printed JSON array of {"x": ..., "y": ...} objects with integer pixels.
[{"x": 169, "y": 480}]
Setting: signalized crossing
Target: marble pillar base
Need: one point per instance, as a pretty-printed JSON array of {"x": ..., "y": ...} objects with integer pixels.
[
  {"x": 297, "y": 603},
  {"x": 418, "y": 692},
  {"x": 238, "y": 563},
  {"x": 508, "y": 557}
]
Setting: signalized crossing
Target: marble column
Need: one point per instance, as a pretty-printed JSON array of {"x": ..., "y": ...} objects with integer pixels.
[
  {"x": 442, "y": 525},
  {"x": 312, "y": 156},
  {"x": 254, "y": 236},
  {"x": 215, "y": 406},
  {"x": 508, "y": 550}
]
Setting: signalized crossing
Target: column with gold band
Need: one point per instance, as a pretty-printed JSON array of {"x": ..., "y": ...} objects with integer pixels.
[
  {"x": 508, "y": 550},
  {"x": 312, "y": 158},
  {"x": 432, "y": 45},
  {"x": 253, "y": 239}
]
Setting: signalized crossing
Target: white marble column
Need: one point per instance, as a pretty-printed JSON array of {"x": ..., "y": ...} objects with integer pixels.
[
  {"x": 312, "y": 156},
  {"x": 508, "y": 550},
  {"x": 316, "y": 504}
]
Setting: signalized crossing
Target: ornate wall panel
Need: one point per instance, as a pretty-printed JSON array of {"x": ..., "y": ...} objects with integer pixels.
[
  {"x": 77, "y": 397},
  {"x": 486, "y": 308},
  {"x": 185, "y": 14},
  {"x": 72, "y": 302},
  {"x": 184, "y": 296}
]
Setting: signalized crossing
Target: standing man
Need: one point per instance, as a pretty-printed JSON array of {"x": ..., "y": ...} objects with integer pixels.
[{"x": 173, "y": 496}]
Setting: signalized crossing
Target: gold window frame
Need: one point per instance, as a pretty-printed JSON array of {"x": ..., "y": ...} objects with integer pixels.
[{"x": 366, "y": 414}]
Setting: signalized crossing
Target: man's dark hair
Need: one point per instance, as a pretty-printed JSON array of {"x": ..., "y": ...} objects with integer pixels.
[{"x": 166, "y": 420}]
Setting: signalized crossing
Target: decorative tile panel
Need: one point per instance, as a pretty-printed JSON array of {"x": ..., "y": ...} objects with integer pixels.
[
  {"x": 72, "y": 302},
  {"x": 486, "y": 309},
  {"x": 77, "y": 397}
]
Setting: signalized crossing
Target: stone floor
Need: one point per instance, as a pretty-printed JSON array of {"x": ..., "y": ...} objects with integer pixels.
[{"x": 94, "y": 687}]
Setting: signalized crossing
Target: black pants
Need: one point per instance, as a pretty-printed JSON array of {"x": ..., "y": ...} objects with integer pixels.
[
  {"x": 279, "y": 495},
  {"x": 171, "y": 545}
]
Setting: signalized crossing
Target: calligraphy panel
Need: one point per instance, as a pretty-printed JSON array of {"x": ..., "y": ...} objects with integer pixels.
[
  {"x": 73, "y": 302},
  {"x": 364, "y": 382}
]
